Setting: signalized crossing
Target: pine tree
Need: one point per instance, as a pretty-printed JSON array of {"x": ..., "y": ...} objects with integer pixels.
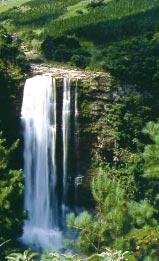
[
  {"x": 151, "y": 153},
  {"x": 11, "y": 189},
  {"x": 111, "y": 219}
]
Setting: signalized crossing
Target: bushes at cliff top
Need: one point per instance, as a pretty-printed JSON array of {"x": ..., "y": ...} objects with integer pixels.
[
  {"x": 65, "y": 49},
  {"x": 135, "y": 61}
]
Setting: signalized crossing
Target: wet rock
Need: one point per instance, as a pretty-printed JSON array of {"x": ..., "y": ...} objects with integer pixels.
[{"x": 62, "y": 72}]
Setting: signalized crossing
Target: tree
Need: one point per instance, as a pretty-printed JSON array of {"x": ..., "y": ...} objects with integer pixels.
[
  {"x": 151, "y": 166},
  {"x": 151, "y": 153},
  {"x": 111, "y": 219},
  {"x": 11, "y": 190}
]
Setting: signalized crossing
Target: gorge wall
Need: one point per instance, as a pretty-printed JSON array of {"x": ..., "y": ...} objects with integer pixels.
[
  {"x": 66, "y": 134},
  {"x": 97, "y": 141}
]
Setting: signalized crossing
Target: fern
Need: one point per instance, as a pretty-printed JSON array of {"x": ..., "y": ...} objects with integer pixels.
[{"x": 26, "y": 256}]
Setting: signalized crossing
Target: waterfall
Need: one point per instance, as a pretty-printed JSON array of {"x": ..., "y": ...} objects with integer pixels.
[
  {"x": 43, "y": 179},
  {"x": 76, "y": 125},
  {"x": 65, "y": 132},
  {"x": 76, "y": 137}
]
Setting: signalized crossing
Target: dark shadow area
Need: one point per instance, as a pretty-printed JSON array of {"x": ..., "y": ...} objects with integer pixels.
[{"x": 118, "y": 29}]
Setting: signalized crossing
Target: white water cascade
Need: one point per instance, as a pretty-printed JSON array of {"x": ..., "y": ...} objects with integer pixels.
[
  {"x": 66, "y": 129},
  {"x": 39, "y": 118},
  {"x": 65, "y": 133}
]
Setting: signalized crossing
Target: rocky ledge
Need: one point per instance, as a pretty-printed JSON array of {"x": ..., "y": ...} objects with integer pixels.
[
  {"x": 59, "y": 72},
  {"x": 63, "y": 72}
]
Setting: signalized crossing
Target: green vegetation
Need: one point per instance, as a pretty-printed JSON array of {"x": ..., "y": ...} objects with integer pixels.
[
  {"x": 13, "y": 66},
  {"x": 11, "y": 191},
  {"x": 65, "y": 49},
  {"x": 12, "y": 70},
  {"x": 118, "y": 222},
  {"x": 123, "y": 157},
  {"x": 108, "y": 255},
  {"x": 26, "y": 256}
]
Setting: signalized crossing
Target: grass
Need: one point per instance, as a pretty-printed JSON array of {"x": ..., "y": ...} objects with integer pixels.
[
  {"x": 74, "y": 10},
  {"x": 5, "y": 6},
  {"x": 78, "y": 9}
]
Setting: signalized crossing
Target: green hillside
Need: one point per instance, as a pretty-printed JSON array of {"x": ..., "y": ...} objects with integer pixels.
[
  {"x": 92, "y": 22},
  {"x": 74, "y": 13}
]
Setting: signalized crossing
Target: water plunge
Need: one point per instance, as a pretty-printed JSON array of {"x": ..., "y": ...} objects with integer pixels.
[{"x": 50, "y": 143}]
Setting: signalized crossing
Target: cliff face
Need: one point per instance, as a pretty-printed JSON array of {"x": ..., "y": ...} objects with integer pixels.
[
  {"x": 104, "y": 106},
  {"x": 98, "y": 141},
  {"x": 97, "y": 136},
  {"x": 96, "y": 92}
]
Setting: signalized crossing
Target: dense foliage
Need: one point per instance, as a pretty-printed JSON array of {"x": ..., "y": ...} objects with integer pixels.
[
  {"x": 13, "y": 66},
  {"x": 11, "y": 191},
  {"x": 124, "y": 168},
  {"x": 66, "y": 49},
  {"x": 118, "y": 222},
  {"x": 135, "y": 61}
]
